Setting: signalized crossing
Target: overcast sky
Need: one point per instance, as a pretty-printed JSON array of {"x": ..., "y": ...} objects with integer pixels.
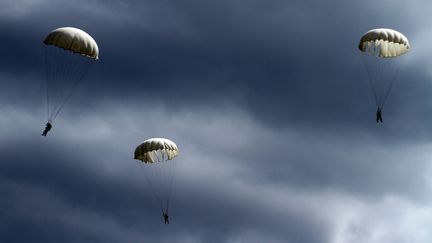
[{"x": 268, "y": 102}]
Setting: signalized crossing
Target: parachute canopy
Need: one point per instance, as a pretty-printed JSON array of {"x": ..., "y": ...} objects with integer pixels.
[
  {"x": 146, "y": 151},
  {"x": 384, "y": 43},
  {"x": 75, "y": 40}
]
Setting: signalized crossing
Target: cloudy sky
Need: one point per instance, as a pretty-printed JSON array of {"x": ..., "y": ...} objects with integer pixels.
[{"x": 268, "y": 102}]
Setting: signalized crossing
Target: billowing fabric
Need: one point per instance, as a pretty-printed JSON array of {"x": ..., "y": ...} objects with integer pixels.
[
  {"x": 384, "y": 43},
  {"x": 75, "y": 40},
  {"x": 146, "y": 150}
]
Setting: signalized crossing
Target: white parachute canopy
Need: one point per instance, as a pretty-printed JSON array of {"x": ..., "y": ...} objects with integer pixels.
[
  {"x": 75, "y": 40},
  {"x": 384, "y": 43},
  {"x": 69, "y": 54},
  {"x": 146, "y": 151},
  {"x": 382, "y": 50},
  {"x": 156, "y": 157}
]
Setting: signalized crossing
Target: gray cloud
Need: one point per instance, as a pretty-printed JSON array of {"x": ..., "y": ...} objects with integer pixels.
[{"x": 268, "y": 102}]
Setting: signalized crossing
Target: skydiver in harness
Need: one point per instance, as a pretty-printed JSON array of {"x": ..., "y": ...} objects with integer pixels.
[
  {"x": 165, "y": 215},
  {"x": 48, "y": 127},
  {"x": 379, "y": 115}
]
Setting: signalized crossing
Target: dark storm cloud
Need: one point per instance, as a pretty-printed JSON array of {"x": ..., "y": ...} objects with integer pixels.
[
  {"x": 268, "y": 102},
  {"x": 224, "y": 192},
  {"x": 89, "y": 190},
  {"x": 287, "y": 62}
]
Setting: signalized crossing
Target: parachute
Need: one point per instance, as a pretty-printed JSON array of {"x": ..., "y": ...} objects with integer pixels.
[
  {"x": 156, "y": 157},
  {"x": 382, "y": 50},
  {"x": 69, "y": 54}
]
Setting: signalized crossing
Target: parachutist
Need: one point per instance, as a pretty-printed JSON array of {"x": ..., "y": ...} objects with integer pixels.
[
  {"x": 165, "y": 215},
  {"x": 379, "y": 115},
  {"x": 48, "y": 127}
]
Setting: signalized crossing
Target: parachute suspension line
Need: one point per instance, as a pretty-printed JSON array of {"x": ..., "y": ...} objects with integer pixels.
[
  {"x": 64, "y": 71},
  {"x": 63, "y": 79},
  {"x": 158, "y": 201},
  {"x": 52, "y": 69},
  {"x": 170, "y": 170},
  {"x": 58, "y": 64},
  {"x": 386, "y": 73},
  {"x": 161, "y": 175},
  {"x": 160, "y": 171},
  {"x": 170, "y": 185},
  {"x": 167, "y": 175},
  {"x": 157, "y": 175},
  {"x": 392, "y": 81},
  {"x": 382, "y": 78},
  {"x": 370, "y": 80},
  {"x": 164, "y": 172},
  {"x": 47, "y": 77},
  {"x": 74, "y": 85}
]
